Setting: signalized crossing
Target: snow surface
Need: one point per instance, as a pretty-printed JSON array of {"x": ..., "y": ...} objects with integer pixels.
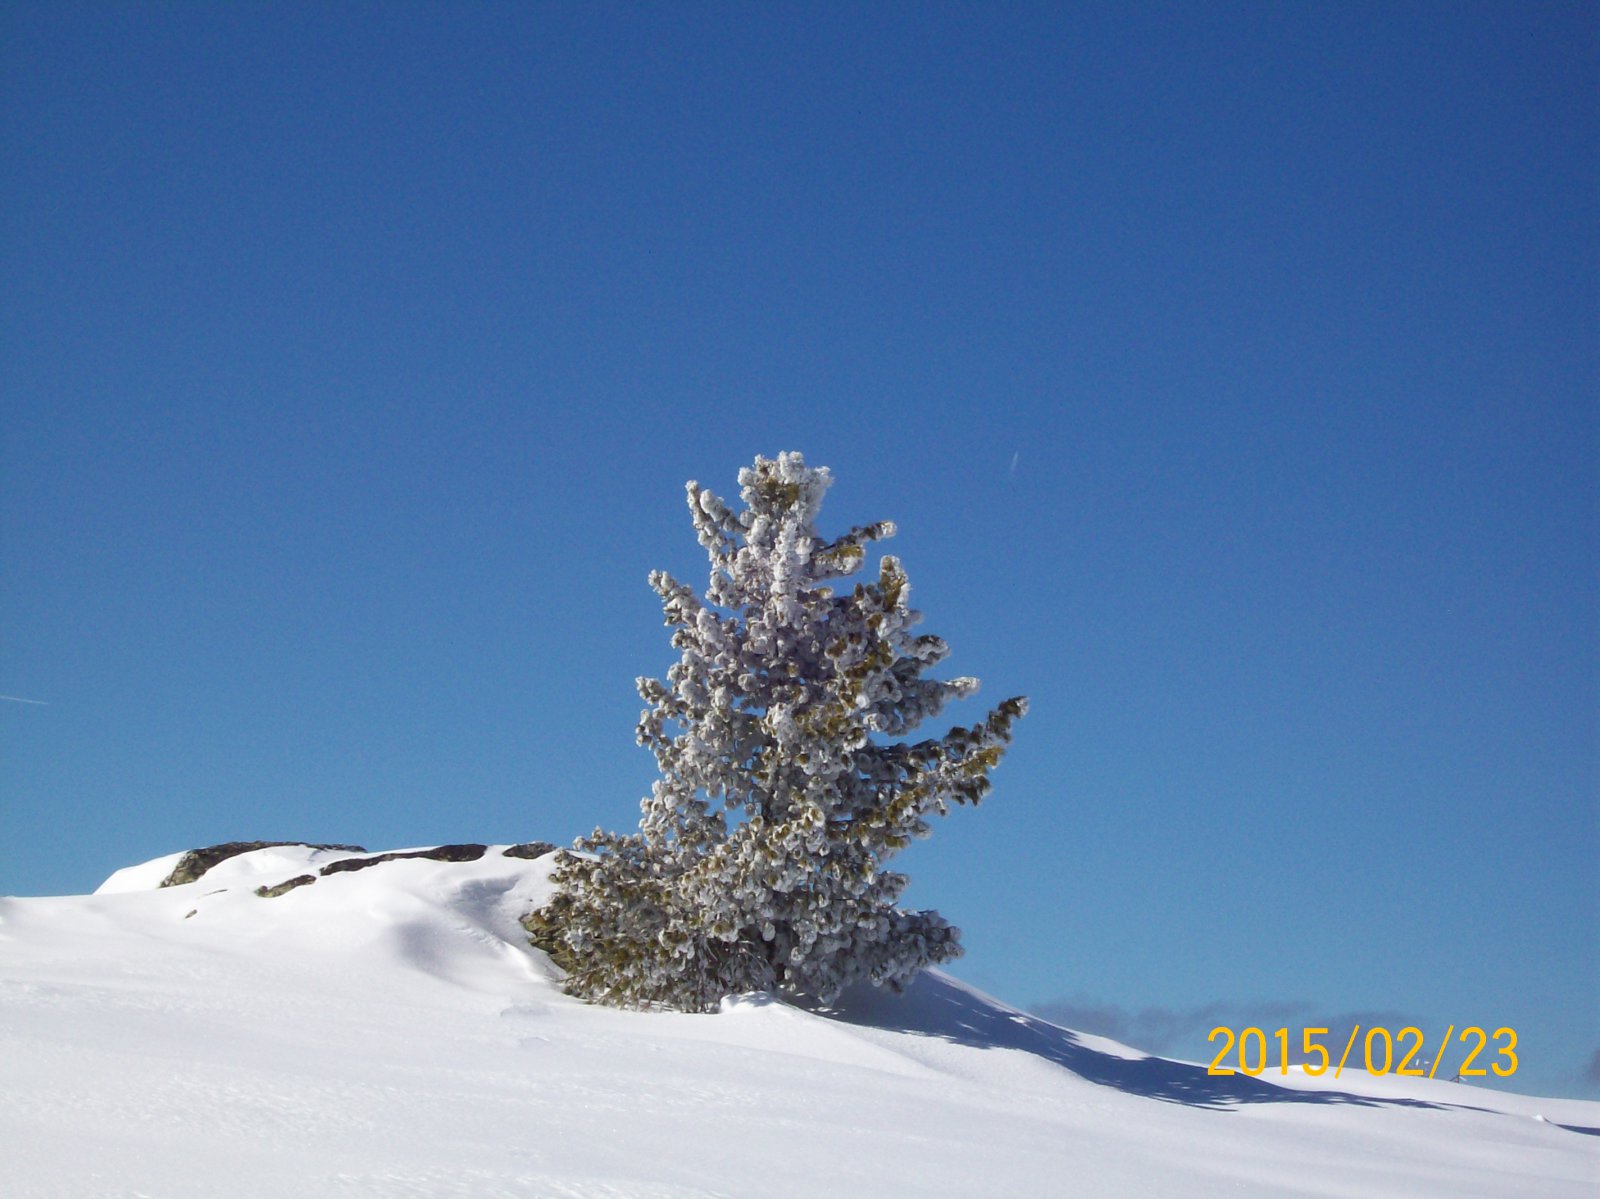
[{"x": 388, "y": 1032}]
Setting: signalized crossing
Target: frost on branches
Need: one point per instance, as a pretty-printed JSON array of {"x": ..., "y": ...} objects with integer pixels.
[{"x": 758, "y": 864}]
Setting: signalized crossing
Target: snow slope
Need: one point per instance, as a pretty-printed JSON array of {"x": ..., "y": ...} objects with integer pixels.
[{"x": 387, "y": 1032}]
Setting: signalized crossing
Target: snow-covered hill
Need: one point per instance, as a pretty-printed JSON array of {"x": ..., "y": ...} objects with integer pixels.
[{"x": 387, "y": 1032}]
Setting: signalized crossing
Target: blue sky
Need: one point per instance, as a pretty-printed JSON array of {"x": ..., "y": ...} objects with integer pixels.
[{"x": 1229, "y": 369}]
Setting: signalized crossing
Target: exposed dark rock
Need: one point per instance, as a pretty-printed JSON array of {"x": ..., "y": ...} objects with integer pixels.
[
  {"x": 197, "y": 861},
  {"x": 442, "y": 853},
  {"x": 530, "y": 850},
  {"x": 299, "y": 880}
]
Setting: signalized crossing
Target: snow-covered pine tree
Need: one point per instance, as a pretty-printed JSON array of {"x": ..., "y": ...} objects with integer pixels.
[{"x": 758, "y": 863}]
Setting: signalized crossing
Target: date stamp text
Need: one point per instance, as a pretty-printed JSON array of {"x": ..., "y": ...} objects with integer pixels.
[{"x": 1380, "y": 1051}]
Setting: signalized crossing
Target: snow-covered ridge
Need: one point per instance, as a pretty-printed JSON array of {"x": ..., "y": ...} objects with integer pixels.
[{"x": 389, "y": 1031}]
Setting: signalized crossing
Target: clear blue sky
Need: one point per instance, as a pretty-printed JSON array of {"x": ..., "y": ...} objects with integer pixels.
[{"x": 1229, "y": 369}]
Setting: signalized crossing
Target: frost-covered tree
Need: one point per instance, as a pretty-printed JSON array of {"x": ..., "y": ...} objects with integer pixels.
[{"x": 784, "y": 785}]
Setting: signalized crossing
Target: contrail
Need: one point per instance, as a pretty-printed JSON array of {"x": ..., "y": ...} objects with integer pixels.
[
  {"x": 1015, "y": 455},
  {"x": 17, "y": 699}
]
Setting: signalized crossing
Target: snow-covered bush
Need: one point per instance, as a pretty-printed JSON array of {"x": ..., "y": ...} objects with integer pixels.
[{"x": 758, "y": 863}]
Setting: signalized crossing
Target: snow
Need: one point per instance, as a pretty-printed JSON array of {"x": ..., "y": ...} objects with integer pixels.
[
  {"x": 388, "y": 1032},
  {"x": 143, "y": 877}
]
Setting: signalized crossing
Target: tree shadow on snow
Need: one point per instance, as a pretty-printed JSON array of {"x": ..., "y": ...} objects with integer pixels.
[{"x": 937, "y": 1006}]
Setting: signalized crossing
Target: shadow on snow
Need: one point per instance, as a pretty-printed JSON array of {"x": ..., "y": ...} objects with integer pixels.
[{"x": 936, "y": 1006}]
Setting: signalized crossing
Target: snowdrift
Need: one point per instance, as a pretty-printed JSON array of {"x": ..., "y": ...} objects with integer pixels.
[{"x": 384, "y": 1029}]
